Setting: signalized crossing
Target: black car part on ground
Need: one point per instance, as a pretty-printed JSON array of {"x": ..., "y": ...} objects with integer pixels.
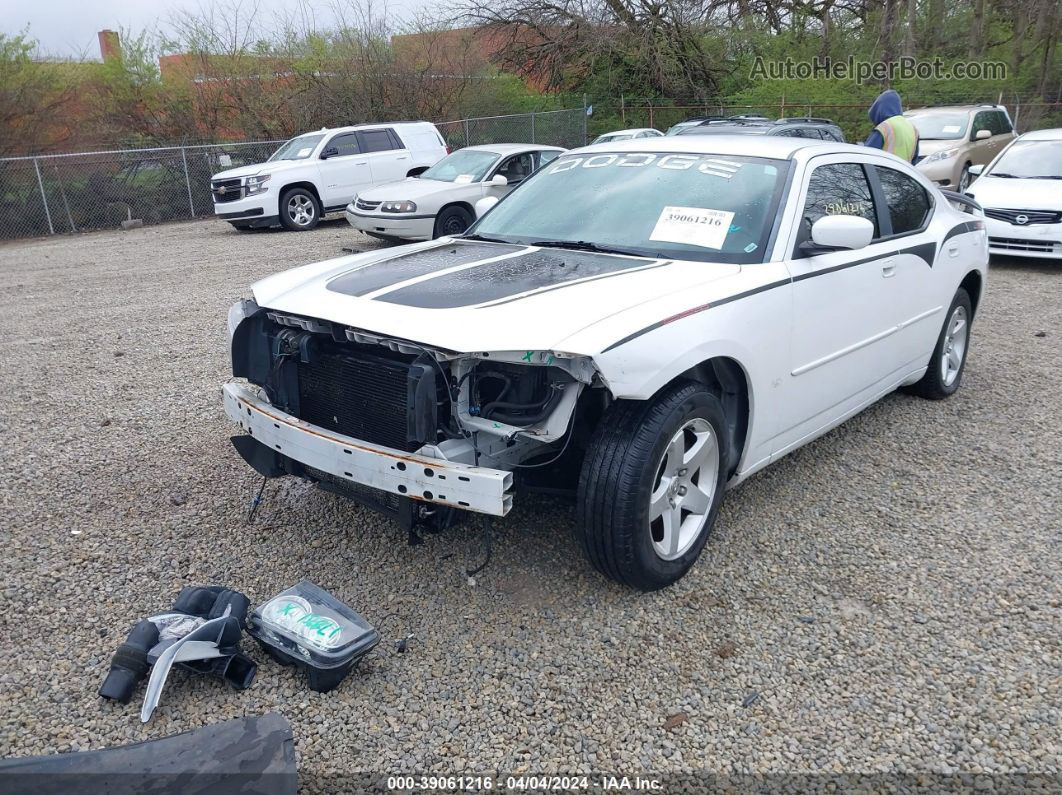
[
  {"x": 249, "y": 754},
  {"x": 129, "y": 665},
  {"x": 131, "y": 662}
]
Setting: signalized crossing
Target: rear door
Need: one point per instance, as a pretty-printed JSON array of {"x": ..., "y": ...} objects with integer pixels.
[
  {"x": 387, "y": 155},
  {"x": 907, "y": 209},
  {"x": 344, "y": 171},
  {"x": 845, "y": 308}
]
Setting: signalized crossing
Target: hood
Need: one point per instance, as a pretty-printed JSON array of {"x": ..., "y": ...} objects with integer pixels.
[
  {"x": 259, "y": 168},
  {"x": 885, "y": 106},
  {"x": 411, "y": 189},
  {"x": 1017, "y": 194},
  {"x": 467, "y": 296},
  {"x": 928, "y": 147}
]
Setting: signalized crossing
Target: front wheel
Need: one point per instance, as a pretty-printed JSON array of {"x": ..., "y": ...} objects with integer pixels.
[
  {"x": 948, "y": 361},
  {"x": 299, "y": 210},
  {"x": 651, "y": 486},
  {"x": 452, "y": 221},
  {"x": 964, "y": 178}
]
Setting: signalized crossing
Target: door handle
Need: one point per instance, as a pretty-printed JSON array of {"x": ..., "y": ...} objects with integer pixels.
[
  {"x": 888, "y": 270},
  {"x": 361, "y": 162},
  {"x": 402, "y": 158},
  {"x": 953, "y": 251}
]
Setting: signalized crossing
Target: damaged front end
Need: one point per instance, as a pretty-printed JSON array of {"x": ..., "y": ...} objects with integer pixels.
[{"x": 401, "y": 427}]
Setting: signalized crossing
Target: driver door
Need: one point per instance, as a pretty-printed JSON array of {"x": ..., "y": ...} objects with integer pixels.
[{"x": 844, "y": 308}]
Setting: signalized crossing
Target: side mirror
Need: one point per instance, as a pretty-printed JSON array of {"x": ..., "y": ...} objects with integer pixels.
[
  {"x": 982, "y": 135},
  {"x": 485, "y": 204},
  {"x": 331, "y": 151},
  {"x": 838, "y": 233},
  {"x": 975, "y": 171},
  {"x": 499, "y": 181}
]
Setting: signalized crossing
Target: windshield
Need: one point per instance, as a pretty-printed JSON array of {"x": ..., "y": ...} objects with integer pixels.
[
  {"x": 940, "y": 126},
  {"x": 1030, "y": 160},
  {"x": 464, "y": 165},
  {"x": 298, "y": 148},
  {"x": 713, "y": 208}
]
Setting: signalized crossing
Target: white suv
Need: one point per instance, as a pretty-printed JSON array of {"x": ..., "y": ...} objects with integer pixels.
[{"x": 319, "y": 172}]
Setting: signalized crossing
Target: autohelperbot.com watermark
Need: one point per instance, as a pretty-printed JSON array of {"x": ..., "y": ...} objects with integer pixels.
[{"x": 862, "y": 71}]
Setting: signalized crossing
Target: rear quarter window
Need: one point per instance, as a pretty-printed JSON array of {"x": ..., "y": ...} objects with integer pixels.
[{"x": 908, "y": 202}]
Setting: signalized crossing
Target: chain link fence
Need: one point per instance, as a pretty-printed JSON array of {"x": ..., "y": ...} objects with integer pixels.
[{"x": 56, "y": 194}]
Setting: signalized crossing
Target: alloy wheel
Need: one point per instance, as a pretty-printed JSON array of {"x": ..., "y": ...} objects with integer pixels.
[
  {"x": 301, "y": 210},
  {"x": 684, "y": 489},
  {"x": 954, "y": 348}
]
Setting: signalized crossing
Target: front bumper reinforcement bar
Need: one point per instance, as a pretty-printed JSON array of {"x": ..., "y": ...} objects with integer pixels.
[{"x": 420, "y": 477}]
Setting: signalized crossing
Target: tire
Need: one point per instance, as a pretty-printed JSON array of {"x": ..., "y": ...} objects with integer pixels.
[
  {"x": 452, "y": 221},
  {"x": 964, "y": 179},
  {"x": 627, "y": 462},
  {"x": 948, "y": 361},
  {"x": 299, "y": 210}
]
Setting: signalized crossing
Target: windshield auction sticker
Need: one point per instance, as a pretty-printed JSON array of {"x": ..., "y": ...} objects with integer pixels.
[{"x": 693, "y": 226}]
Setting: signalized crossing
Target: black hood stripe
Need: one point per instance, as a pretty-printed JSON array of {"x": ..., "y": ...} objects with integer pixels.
[
  {"x": 394, "y": 271},
  {"x": 509, "y": 277},
  {"x": 533, "y": 293}
]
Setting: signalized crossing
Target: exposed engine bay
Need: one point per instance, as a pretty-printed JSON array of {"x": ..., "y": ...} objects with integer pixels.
[{"x": 503, "y": 410}]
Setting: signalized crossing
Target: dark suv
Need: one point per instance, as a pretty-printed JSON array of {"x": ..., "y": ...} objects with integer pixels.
[{"x": 801, "y": 127}]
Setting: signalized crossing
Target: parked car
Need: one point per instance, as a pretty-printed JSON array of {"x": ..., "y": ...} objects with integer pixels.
[
  {"x": 1021, "y": 192},
  {"x": 690, "y": 122},
  {"x": 647, "y": 321},
  {"x": 441, "y": 200},
  {"x": 626, "y": 135},
  {"x": 951, "y": 140},
  {"x": 796, "y": 127},
  {"x": 317, "y": 173}
]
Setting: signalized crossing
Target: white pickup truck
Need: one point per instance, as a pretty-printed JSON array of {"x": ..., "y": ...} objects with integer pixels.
[{"x": 320, "y": 172}]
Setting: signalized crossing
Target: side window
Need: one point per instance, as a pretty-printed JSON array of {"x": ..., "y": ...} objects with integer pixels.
[
  {"x": 837, "y": 189},
  {"x": 346, "y": 143},
  {"x": 907, "y": 200},
  {"x": 376, "y": 140},
  {"x": 982, "y": 121},
  {"x": 517, "y": 167},
  {"x": 546, "y": 157},
  {"x": 1002, "y": 123}
]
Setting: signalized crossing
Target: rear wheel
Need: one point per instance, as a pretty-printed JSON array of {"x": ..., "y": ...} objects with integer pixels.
[
  {"x": 946, "y": 366},
  {"x": 651, "y": 486},
  {"x": 299, "y": 210},
  {"x": 452, "y": 221}
]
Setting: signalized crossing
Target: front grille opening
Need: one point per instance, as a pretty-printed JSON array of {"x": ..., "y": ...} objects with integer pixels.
[{"x": 361, "y": 390}]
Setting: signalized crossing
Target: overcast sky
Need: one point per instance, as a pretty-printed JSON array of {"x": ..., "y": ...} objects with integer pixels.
[{"x": 68, "y": 27}]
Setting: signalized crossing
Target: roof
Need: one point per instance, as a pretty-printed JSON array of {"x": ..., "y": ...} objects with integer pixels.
[
  {"x": 952, "y": 108},
  {"x": 1054, "y": 134},
  {"x": 508, "y": 149},
  {"x": 773, "y": 146},
  {"x": 631, "y": 131}
]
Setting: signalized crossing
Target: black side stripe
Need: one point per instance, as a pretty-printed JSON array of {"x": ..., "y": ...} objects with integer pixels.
[
  {"x": 961, "y": 229},
  {"x": 926, "y": 252},
  {"x": 696, "y": 310}
]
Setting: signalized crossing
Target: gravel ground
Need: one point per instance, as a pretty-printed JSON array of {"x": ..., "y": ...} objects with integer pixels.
[{"x": 884, "y": 599}]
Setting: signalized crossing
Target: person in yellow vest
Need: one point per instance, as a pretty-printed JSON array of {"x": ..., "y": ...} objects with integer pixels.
[{"x": 893, "y": 132}]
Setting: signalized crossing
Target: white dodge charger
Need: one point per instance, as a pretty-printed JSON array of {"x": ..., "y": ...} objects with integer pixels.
[{"x": 643, "y": 323}]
